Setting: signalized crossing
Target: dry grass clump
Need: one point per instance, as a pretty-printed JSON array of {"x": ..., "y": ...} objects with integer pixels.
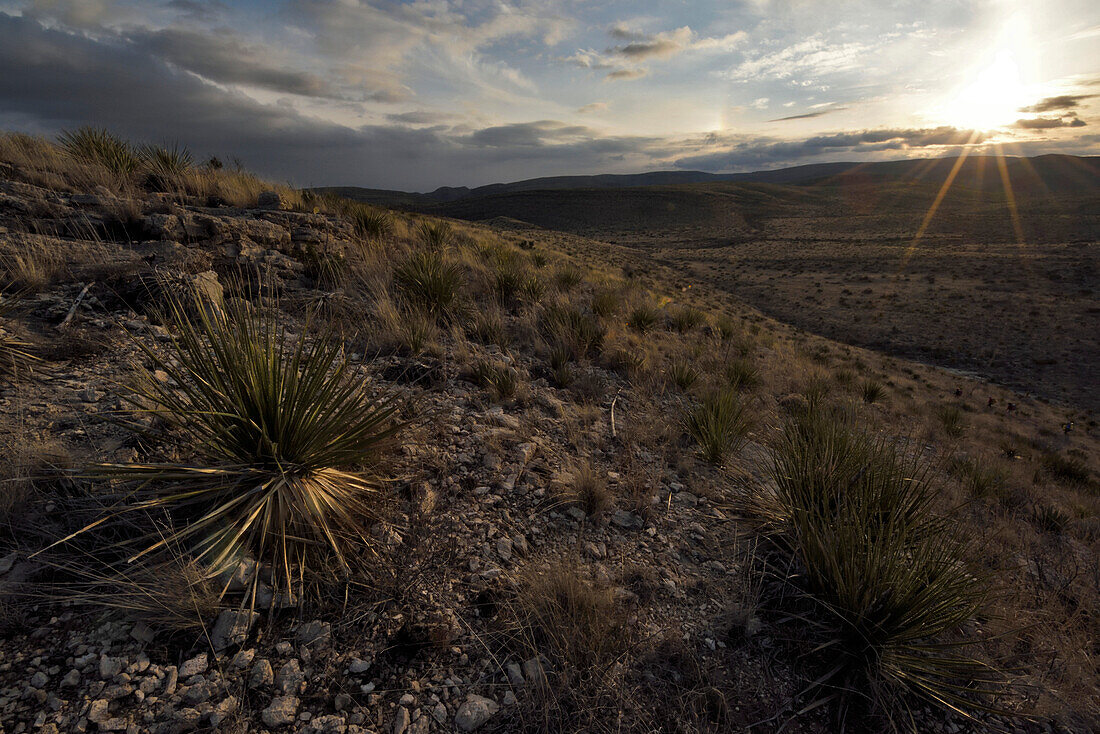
[
  {"x": 872, "y": 391},
  {"x": 683, "y": 374},
  {"x": 436, "y": 234},
  {"x": 686, "y": 318},
  {"x": 504, "y": 381},
  {"x": 27, "y": 465},
  {"x": 720, "y": 425},
  {"x": 742, "y": 374},
  {"x": 428, "y": 280},
  {"x": 588, "y": 488},
  {"x": 575, "y": 636},
  {"x": 279, "y": 426},
  {"x": 644, "y": 317},
  {"x": 1066, "y": 470},
  {"x": 951, "y": 419},
  {"x": 29, "y": 265},
  {"x": 567, "y": 326},
  {"x": 567, "y": 277},
  {"x": 606, "y": 302},
  {"x": 16, "y": 357},
  {"x": 877, "y": 580}
]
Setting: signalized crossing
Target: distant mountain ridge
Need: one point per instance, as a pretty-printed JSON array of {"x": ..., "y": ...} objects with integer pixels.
[{"x": 1054, "y": 172}]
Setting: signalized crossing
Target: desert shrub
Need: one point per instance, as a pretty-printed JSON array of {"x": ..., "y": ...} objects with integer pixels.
[
  {"x": 575, "y": 634},
  {"x": 1050, "y": 519},
  {"x": 872, "y": 391},
  {"x": 978, "y": 477},
  {"x": 567, "y": 277},
  {"x": 882, "y": 586},
  {"x": 513, "y": 282},
  {"x": 628, "y": 362},
  {"x": 29, "y": 266},
  {"x": 326, "y": 266},
  {"x": 488, "y": 327},
  {"x": 725, "y": 328},
  {"x": 605, "y": 303},
  {"x": 429, "y": 281},
  {"x": 15, "y": 353},
  {"x": 720, "y": 425},
  {"x": 1065, "y": 470},
  {"x": 371, "y": 224},
  {"x": 280, "y": 427},
  {"x": 100, "y": 147},
  {"x": 504, "y": 381},
  {"x": 588, "y": 489},
  {"x": 686, "y": 318},
  {"x": 570, "y": 327},
  {"x": 644, "y": 317},
  {"x": 167, "y": 165},
  {"x": 682, "y": 374},
  {"x": 741, "y": 374},
  {"x": 437, "y": 235},
  {"x": 561, "y": 367},
  {"x": 951, "y": 418}
]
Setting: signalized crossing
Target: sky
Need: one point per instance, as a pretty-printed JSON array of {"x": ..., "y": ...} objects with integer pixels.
[{"x": 417, "y": 95}]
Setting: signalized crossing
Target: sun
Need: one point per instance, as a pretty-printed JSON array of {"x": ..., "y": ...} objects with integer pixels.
[{"x": 993, "y": 99}]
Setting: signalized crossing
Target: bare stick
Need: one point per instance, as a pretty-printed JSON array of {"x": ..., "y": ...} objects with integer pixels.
[
  {"x": 615, "y": 400},
  {"x": 76, "y": 304}
]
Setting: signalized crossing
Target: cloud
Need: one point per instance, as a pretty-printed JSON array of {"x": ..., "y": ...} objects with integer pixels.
[
  {"x": 420, "y": 117},
  {"x": 199, "y": 10},
  {"x": 224, "y": 57},
  {"x": 627, "y": 74},
  {"x": 661, "y": 45},
  {"x": 592, "y": 107},
  {"x": 738, "y": 153},
  {"x": 809, "y": 115},
  {"x": 1061, "y": 102},
  {"x": 813, "y": 57},
  {"x": 528, "y": 134},
  {"x": 1047, "y": 123}
]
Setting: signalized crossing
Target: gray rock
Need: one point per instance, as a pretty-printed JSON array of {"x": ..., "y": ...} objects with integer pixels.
[
  {"x": 290, "y": 679},
  {"x": 109, "y": 667},
  {"x": 280, "y": 712},
  {"x": 232, "y": 627},
  {"x": 400, "y": 720},
  {"x": 243, "y": 659},
  {"x": 475, "y": 712},
  {"x": 269, "y": 200},
  {"x": 39, "y": 679},
  {"x": 515, "y": 675},
  {"x": 313, "y": 633},
  {"x": 357, "y": 666},
  {"x": 262, "y": 674},
  {"x": 626, "y": 520},
  {"x": 194, "y": 666},
  {"x": 71, "y": 679}
]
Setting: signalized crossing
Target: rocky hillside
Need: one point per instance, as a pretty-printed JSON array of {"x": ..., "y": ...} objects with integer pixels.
[{"x": 562, "y": 535}]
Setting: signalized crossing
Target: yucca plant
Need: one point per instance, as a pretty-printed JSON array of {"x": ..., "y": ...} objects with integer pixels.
[
  {"x": 741, "y": 374},
  {"x": 567, "y": 277},
  {"x": 872, "y": 391},
  {"x": 280, "y": 428},
  {"x": 720, "y": 424},
  {"x": 561, "y": 367},
  {"x": 437, "y": 235},
  {"x": 98, "y": 146},
  {"x": 605, "y": 303},
  {"x": 574, "y": 329},
  {"x": 643, "y": 318},
  {"x": 880, "y": 580},
  {"x": 372, "y": 225},
  {"x": 682, "y": 374},
  {"x": 15, "y": 354},
  {"x": 685, "y": 319},
  {"x": 167, "y": 163},
  {"x": 428, "y": 280}
]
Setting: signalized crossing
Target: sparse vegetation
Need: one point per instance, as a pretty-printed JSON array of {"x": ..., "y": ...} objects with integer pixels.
[
  {"x": 644, "y": 317},
  {"x": 682, "y": 374},
  {"x": 686, "y": 318},
  {"x": 573, "y": 329},
  {"x": 430, "y": 282},
  {"x": 15, "y": 353},
  {"x": 884, "y": 586},
  {"x": 280, "y": 425},
  {"x": 951, "y": 418},
  {"x": 741, "y": 374},
  {"x": 719, "y": 424}
]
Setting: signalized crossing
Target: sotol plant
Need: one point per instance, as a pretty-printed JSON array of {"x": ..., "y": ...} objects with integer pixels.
[
  {"x": 98, "y": 146},
  {"x": 430, "y": 282},
  {"x": 719, "y": 424},
  {"x": 882, "y": 587},
  {"x": 280, "y": 428}
]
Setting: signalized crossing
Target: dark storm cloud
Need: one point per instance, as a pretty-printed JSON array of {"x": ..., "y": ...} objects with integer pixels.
[
  {"x": 752, "y": 152},
  {"x": 1048, "y": 123},
  {"x": 225, "y": 58},
  {"x": 1061, "y": 102}
]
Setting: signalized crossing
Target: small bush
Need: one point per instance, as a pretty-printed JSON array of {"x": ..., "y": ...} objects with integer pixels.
[
  {"x": 644, "y": 317},
  {"x": 883, "y": 586},
  {"x": 504, "y": 381},
  {"x": 682, "y": 374},
  {"x": 951, "y": 418},
  {"x": 280, "y": 426},
  {"x": 589, "y": 489},
  {"x": 1066, "y": 470},
  {"x": 430, "y": 282},
  {"x": 372, "y": 225},
  {"x": 720, "y": 425},
  {"x": 605, "y": 303},
  {"x": 561, "y": 366},
  {"x": 572, "y": 328},
  {"x": 100, "y": 147},
  {"x": 741, "y": 374},
  {"x": 437, "y": 235},
  {"x": 686, "y": 318},
  {"x": 872, "y": 391},
  {"x": 567, "y": 277}
]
